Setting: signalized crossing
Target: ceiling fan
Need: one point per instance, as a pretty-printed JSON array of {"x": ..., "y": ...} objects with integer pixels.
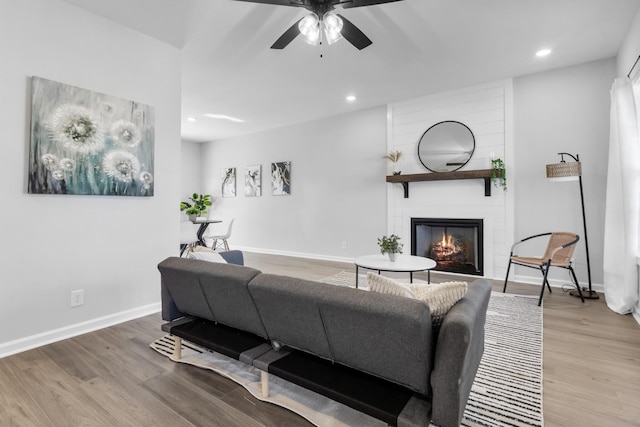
[{"x": 321, "y": 20}]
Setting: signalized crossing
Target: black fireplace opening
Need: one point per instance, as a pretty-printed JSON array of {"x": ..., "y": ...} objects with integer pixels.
[{"x": 454, "y": 244}]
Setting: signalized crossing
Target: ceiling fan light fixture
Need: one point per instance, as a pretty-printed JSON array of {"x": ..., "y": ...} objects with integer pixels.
[
  {"x": 309, "y": 27},
  {"x": 332, "y": 25}
]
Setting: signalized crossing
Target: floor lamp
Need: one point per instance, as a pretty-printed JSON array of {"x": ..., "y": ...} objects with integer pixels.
[{"x": 564, "y": 171}]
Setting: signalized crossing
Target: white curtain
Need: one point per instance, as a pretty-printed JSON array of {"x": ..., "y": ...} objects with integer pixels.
[{"x": 622, "y": 218}]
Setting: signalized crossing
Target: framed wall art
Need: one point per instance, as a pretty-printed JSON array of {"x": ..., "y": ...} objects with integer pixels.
[
  {"x": 229, "y": 182},
  {"x": 253, "y": 181},
  {"x": 88, "y": 143},
  {"x": 281, "y": 178}
]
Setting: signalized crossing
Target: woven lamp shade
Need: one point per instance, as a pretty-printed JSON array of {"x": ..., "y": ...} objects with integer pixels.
[{"x": 564, "y": 171}]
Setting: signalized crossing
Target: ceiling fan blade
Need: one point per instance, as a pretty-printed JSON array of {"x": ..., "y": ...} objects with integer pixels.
[
  {"x": 353, "y": 34},
  {"x": 360, "y": 3},
  {"x": 287, "y": 37},
  {"x": 276, "y": 2}
]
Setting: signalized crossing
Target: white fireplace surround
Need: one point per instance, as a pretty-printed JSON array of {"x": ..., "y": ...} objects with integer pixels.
[{"x": 487, "y": 111}]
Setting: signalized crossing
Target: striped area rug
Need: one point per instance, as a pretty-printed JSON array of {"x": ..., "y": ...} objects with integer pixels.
[{"x": 507, "y": 390}]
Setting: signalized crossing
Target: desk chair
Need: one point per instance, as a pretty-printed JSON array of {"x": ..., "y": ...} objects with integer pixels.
[
  {"x": 558, "y": 254},
  {"x": 187, "y": 235},
  {"x": 221, "y": 239}
]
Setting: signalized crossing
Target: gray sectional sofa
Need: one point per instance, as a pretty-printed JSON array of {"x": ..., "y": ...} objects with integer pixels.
[{"x": 374, "y": 352}]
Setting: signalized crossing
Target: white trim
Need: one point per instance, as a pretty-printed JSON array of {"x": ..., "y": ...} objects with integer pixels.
[
  {"x": 390, "y": 211},
  {"x": 556, "y": 283},
  {"x": 510, "y": 160},
  {"x": 44, "y": 338}
]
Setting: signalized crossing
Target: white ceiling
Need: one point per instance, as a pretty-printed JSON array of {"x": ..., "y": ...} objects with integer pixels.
[{"x": 419, "y": 47}]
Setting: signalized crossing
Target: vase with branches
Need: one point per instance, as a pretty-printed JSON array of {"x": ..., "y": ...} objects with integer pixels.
[{"x": 394, "y": 158}]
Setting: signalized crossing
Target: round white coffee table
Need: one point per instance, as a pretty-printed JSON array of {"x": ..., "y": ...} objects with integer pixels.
[{"x": 404, "y": 263}]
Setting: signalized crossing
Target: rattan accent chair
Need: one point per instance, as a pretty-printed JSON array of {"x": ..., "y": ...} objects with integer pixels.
[{"x": 558, "y": 254}]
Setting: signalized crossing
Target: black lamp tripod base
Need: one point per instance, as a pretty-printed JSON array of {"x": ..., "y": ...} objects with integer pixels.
[{"x": 586, "y": 293}]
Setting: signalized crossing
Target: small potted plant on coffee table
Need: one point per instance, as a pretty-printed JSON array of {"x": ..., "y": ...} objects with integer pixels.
[
  {"x": 391, "y": 246},
  {"x": 197, "y": 207}
]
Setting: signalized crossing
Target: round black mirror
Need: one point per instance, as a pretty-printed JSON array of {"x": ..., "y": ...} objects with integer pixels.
[{"x": 446, "y": 146}]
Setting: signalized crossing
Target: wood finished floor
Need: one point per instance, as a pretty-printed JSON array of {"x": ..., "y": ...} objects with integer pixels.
[{"x": 112, "y": 378}]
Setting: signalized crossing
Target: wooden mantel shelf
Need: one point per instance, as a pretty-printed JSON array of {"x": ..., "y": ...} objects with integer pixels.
[{"x": 484, "y": 174}]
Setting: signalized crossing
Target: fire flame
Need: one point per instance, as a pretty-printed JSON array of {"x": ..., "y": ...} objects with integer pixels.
[{"x": 447, "y": 246}]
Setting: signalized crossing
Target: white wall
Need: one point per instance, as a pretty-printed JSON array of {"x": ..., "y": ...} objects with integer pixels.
[
  {"x": 630, "y": 49},
  {"x": 565, "y": 110},
  {"x": 337, "y": 186},
  {"x": 486, "y": 110},
  {"x": 190, "y": 167},
  {"x": 53, "y": 244},
  {"x": 560, "y": 110}
]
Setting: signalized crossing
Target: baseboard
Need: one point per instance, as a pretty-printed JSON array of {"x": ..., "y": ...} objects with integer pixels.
[
  {"x": 28, "y": 343},
  {"x": 555, "y": 283},
  {"x": 295, "y": 254}
]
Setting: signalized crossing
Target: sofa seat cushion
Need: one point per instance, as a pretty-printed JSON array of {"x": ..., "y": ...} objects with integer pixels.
[
  {"x": 374, "y": 396},
  {"x": 226, "y": 340}
]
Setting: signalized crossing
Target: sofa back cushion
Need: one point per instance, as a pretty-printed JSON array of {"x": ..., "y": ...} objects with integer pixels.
[
  {"x": 213, "y": 291},
  {"x": 384, "y": 335},
  {"x": 290, "y": 312}
]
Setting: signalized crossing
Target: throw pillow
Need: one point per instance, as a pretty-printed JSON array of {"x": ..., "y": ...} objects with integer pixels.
[
  {"x": 440, "y": 297},
  {"x": 205, "y": 254},
  {"x": 384, "y": 285}
]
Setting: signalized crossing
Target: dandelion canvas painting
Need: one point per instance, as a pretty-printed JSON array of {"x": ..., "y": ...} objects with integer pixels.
[
  {"x": 281, "y": 178},
  {"x": 89, "y": 143},
  {"x": 253, "y": 181},
  {"x": 229, "y": 182}
]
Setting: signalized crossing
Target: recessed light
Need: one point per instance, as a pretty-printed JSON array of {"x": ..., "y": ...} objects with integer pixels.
[
  {"x": 223, "y": 117},
  {"x": 351, "y": 98},
  {"x": 543, "y": 52},
  {"x": 192, "y": 119}
]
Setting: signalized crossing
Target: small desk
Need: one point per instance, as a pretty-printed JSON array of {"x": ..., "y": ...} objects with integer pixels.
[
  {"x": 404, "y": 263},
  {"x": 204, "y": 223}
]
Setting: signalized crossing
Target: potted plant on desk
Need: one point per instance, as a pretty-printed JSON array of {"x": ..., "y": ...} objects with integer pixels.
[
  {"x": 197, "y": 207},
  {"x": 391, "y": 246}
]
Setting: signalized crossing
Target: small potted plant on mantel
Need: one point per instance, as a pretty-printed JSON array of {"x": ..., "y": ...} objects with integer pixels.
[
  {"x": 498, "y": 173},
  {"x": 391, "y": 246},
  {"x": 197, "y": 207}
]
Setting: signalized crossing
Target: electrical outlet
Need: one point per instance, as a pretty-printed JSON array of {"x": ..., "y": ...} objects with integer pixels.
[
  {"x": 344, "y": 245},
  {"x": 77, "y": 298}
]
